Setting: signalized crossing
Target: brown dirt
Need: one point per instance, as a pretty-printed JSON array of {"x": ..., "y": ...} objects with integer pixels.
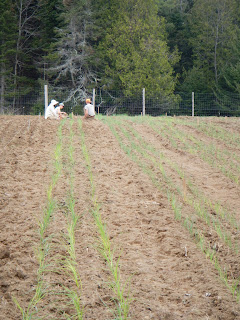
[{"x": 170, "y": 277}]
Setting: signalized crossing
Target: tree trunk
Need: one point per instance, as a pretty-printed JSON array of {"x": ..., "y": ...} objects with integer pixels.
[{"x": 17, "y": 52}]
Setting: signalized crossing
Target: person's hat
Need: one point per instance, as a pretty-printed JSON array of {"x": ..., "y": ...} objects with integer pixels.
[
  {"x": 61, "y": 104},
  {"x": 54, "y": 102},
  {"x": 88, "y": 100}
]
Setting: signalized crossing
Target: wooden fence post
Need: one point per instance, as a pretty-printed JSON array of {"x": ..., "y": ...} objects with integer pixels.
[
  {"x": 46, "y": 97},
  {"x": 93, "y": 99},
  {"x": 143, "y": 106},
  {"x": 192, "y": 104}
]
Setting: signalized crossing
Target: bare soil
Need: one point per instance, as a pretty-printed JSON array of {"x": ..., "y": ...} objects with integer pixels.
[{"x": 166, "y": 273}]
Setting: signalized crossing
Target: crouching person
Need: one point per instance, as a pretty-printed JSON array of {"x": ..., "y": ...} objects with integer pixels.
[
  {"x": 50, "y": 111},
  {"x": 89, "y": 112},
  {"x": 59, "y": 112}
]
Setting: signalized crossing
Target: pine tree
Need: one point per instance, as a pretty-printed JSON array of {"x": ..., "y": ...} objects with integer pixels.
[
  {"x": 49, "y": 16},
  {"x": 230, "y": 77},
  {"x": 213, "y": 36},
  {"x": 176, "y": 14},
  {"x": 49, "y": 20},
  {"x": 8, "y": 34}
]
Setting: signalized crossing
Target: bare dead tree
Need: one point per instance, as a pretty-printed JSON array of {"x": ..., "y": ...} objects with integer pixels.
[{"x": 72, "y": 69}]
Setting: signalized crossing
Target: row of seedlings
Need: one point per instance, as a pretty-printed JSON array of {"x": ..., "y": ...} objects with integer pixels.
[
  {"x": 141, "y": 152},
  {"x": 41, "y": 288},
  {"x": 68, "y": 261},
  {"x": 219, "y": 158},
  {"x": 121, "y": 295}
]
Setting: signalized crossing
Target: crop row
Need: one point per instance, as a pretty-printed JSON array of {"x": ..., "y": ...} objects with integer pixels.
[
  {"x": 58, "y": 284},
  {"x": 211, "y": 224},
  {"x": 222, "y": 158}
]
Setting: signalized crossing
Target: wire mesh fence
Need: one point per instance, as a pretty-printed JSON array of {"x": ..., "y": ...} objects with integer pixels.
[
  {"x": 33, "y": 100},
  {"x": 22, "y": 101},
  {"x": 182, "y": 103}
]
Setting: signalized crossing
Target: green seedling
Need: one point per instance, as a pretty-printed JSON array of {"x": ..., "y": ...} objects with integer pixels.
[
  {"x": 139, "y": 152},
  {"x": 44, "y": 246},
  {"x": 104, "y": 244}
]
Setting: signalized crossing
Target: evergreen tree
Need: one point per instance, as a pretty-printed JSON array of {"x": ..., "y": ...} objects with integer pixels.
[
  {"x": 49, "y": 16},
  {"x": 229, "y": 80},
  {"x": 8, "y": 34},
  {"x": 230, "y": 77},
  {"x": 176, "y": 14},
  {"x": 135, "y": 51},
  {"x": 49, "y": 20},
  {"x": 104, "y": 16},
  {"x": 24, "y": 73},
  {"x": 214, "y": 33}
]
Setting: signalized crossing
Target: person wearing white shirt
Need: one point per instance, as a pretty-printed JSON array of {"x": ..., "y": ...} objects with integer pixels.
[
  {"x": 60, "y": 113},
  {"x": 50, "y": 111},
  {"x": 89, "y": 111}
]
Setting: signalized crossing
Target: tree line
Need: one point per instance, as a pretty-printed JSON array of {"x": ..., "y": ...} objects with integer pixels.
[{"x": 164, "y": 46}]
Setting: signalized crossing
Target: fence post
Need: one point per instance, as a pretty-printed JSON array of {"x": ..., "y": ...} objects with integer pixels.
[
  {"x": 45, "y": 97},
  {"x": 93, "y": 98},
  {"x": 143, "y": 106},
  {"x": 192, "y": 104}
]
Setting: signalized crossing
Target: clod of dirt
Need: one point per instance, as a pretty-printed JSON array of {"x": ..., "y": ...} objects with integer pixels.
[
  {"x": 20, "y": 273},
  {"x": 4, "y": 286},
  {"x": 4, "y": 252},
  {"x": 167, "y": 316}
]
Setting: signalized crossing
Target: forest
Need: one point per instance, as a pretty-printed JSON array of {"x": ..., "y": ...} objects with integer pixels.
[{"x": 164, "y": 46}]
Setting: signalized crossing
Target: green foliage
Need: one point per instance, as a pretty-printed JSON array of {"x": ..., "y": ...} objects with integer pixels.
[
  {"x": 8, "y": 33},
  {"x": 103, "y": 16},
  {"x": 49, "y": 16},
  {"x": 135, "y": 52},
  {"x": 176, "y": 15},
  {"x": 70, "y": 60},
  {"x": 197, "y": 80},
  {"x": 230, "y": 77},
  {"x": 213, "y": 36},
  {"x": 162, "y": 46}
]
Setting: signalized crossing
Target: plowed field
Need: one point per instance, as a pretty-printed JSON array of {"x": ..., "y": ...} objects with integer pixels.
[{"x": 166, "y": 193}]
